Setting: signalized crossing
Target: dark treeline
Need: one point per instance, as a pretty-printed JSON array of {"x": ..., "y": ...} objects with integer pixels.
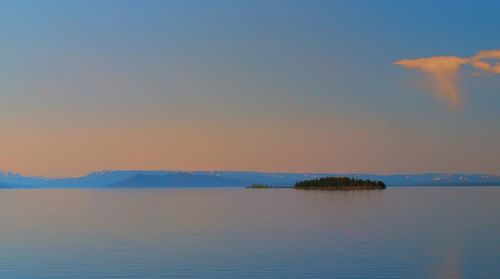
[
  {"x": 259, "y": 186},
  {"x": 339, "y": 182}
]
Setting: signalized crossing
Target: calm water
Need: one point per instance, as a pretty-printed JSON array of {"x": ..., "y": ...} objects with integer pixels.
[{"x": 239, "y": 233}]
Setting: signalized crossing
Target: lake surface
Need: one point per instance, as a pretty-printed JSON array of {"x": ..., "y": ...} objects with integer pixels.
[{"x": 249, "y": 233}]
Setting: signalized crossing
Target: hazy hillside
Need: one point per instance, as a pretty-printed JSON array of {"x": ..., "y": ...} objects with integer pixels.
[
  {"x": 139, "y": 178},
  {"x": 178, "y": 180}
]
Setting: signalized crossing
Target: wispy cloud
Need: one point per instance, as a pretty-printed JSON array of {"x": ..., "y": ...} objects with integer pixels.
[
  {"x": 478, "y": 61},
  {"x": 442, "y": 71}
]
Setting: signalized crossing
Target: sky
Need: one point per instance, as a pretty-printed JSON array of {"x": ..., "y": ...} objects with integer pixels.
[{"x": 280, "y": 86}]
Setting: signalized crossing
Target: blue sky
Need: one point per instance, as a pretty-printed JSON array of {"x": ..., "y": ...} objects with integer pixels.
[{"x": 257, "y": 85}]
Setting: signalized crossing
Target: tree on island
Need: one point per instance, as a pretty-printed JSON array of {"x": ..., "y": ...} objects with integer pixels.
[{"x": 339, "y": 183}]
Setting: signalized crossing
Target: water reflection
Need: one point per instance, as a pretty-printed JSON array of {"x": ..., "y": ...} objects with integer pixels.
[{"x": 229, "y": 233}]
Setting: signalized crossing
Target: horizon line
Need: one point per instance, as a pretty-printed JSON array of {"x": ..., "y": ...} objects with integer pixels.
[{"x": 3, "y": 172}]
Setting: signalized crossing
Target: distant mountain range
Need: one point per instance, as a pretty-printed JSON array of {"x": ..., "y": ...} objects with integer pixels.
[{"x": 175, "y": 179}]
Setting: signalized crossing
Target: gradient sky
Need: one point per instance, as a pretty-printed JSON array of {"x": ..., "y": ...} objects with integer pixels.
[{"x": 299, "y": 86}]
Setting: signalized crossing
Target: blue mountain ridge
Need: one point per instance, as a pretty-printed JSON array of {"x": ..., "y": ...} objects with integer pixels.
[{"x": 174, "y": 179}]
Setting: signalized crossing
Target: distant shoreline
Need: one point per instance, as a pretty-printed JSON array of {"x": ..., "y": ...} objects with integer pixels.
[{"x": 234, "y": 179}]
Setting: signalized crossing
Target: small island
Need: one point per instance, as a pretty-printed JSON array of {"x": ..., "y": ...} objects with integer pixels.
[
  {"x": 259, "y": 186},
  {"x": 329, "y": 183},
  {"x": 339, "y": 183}
]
